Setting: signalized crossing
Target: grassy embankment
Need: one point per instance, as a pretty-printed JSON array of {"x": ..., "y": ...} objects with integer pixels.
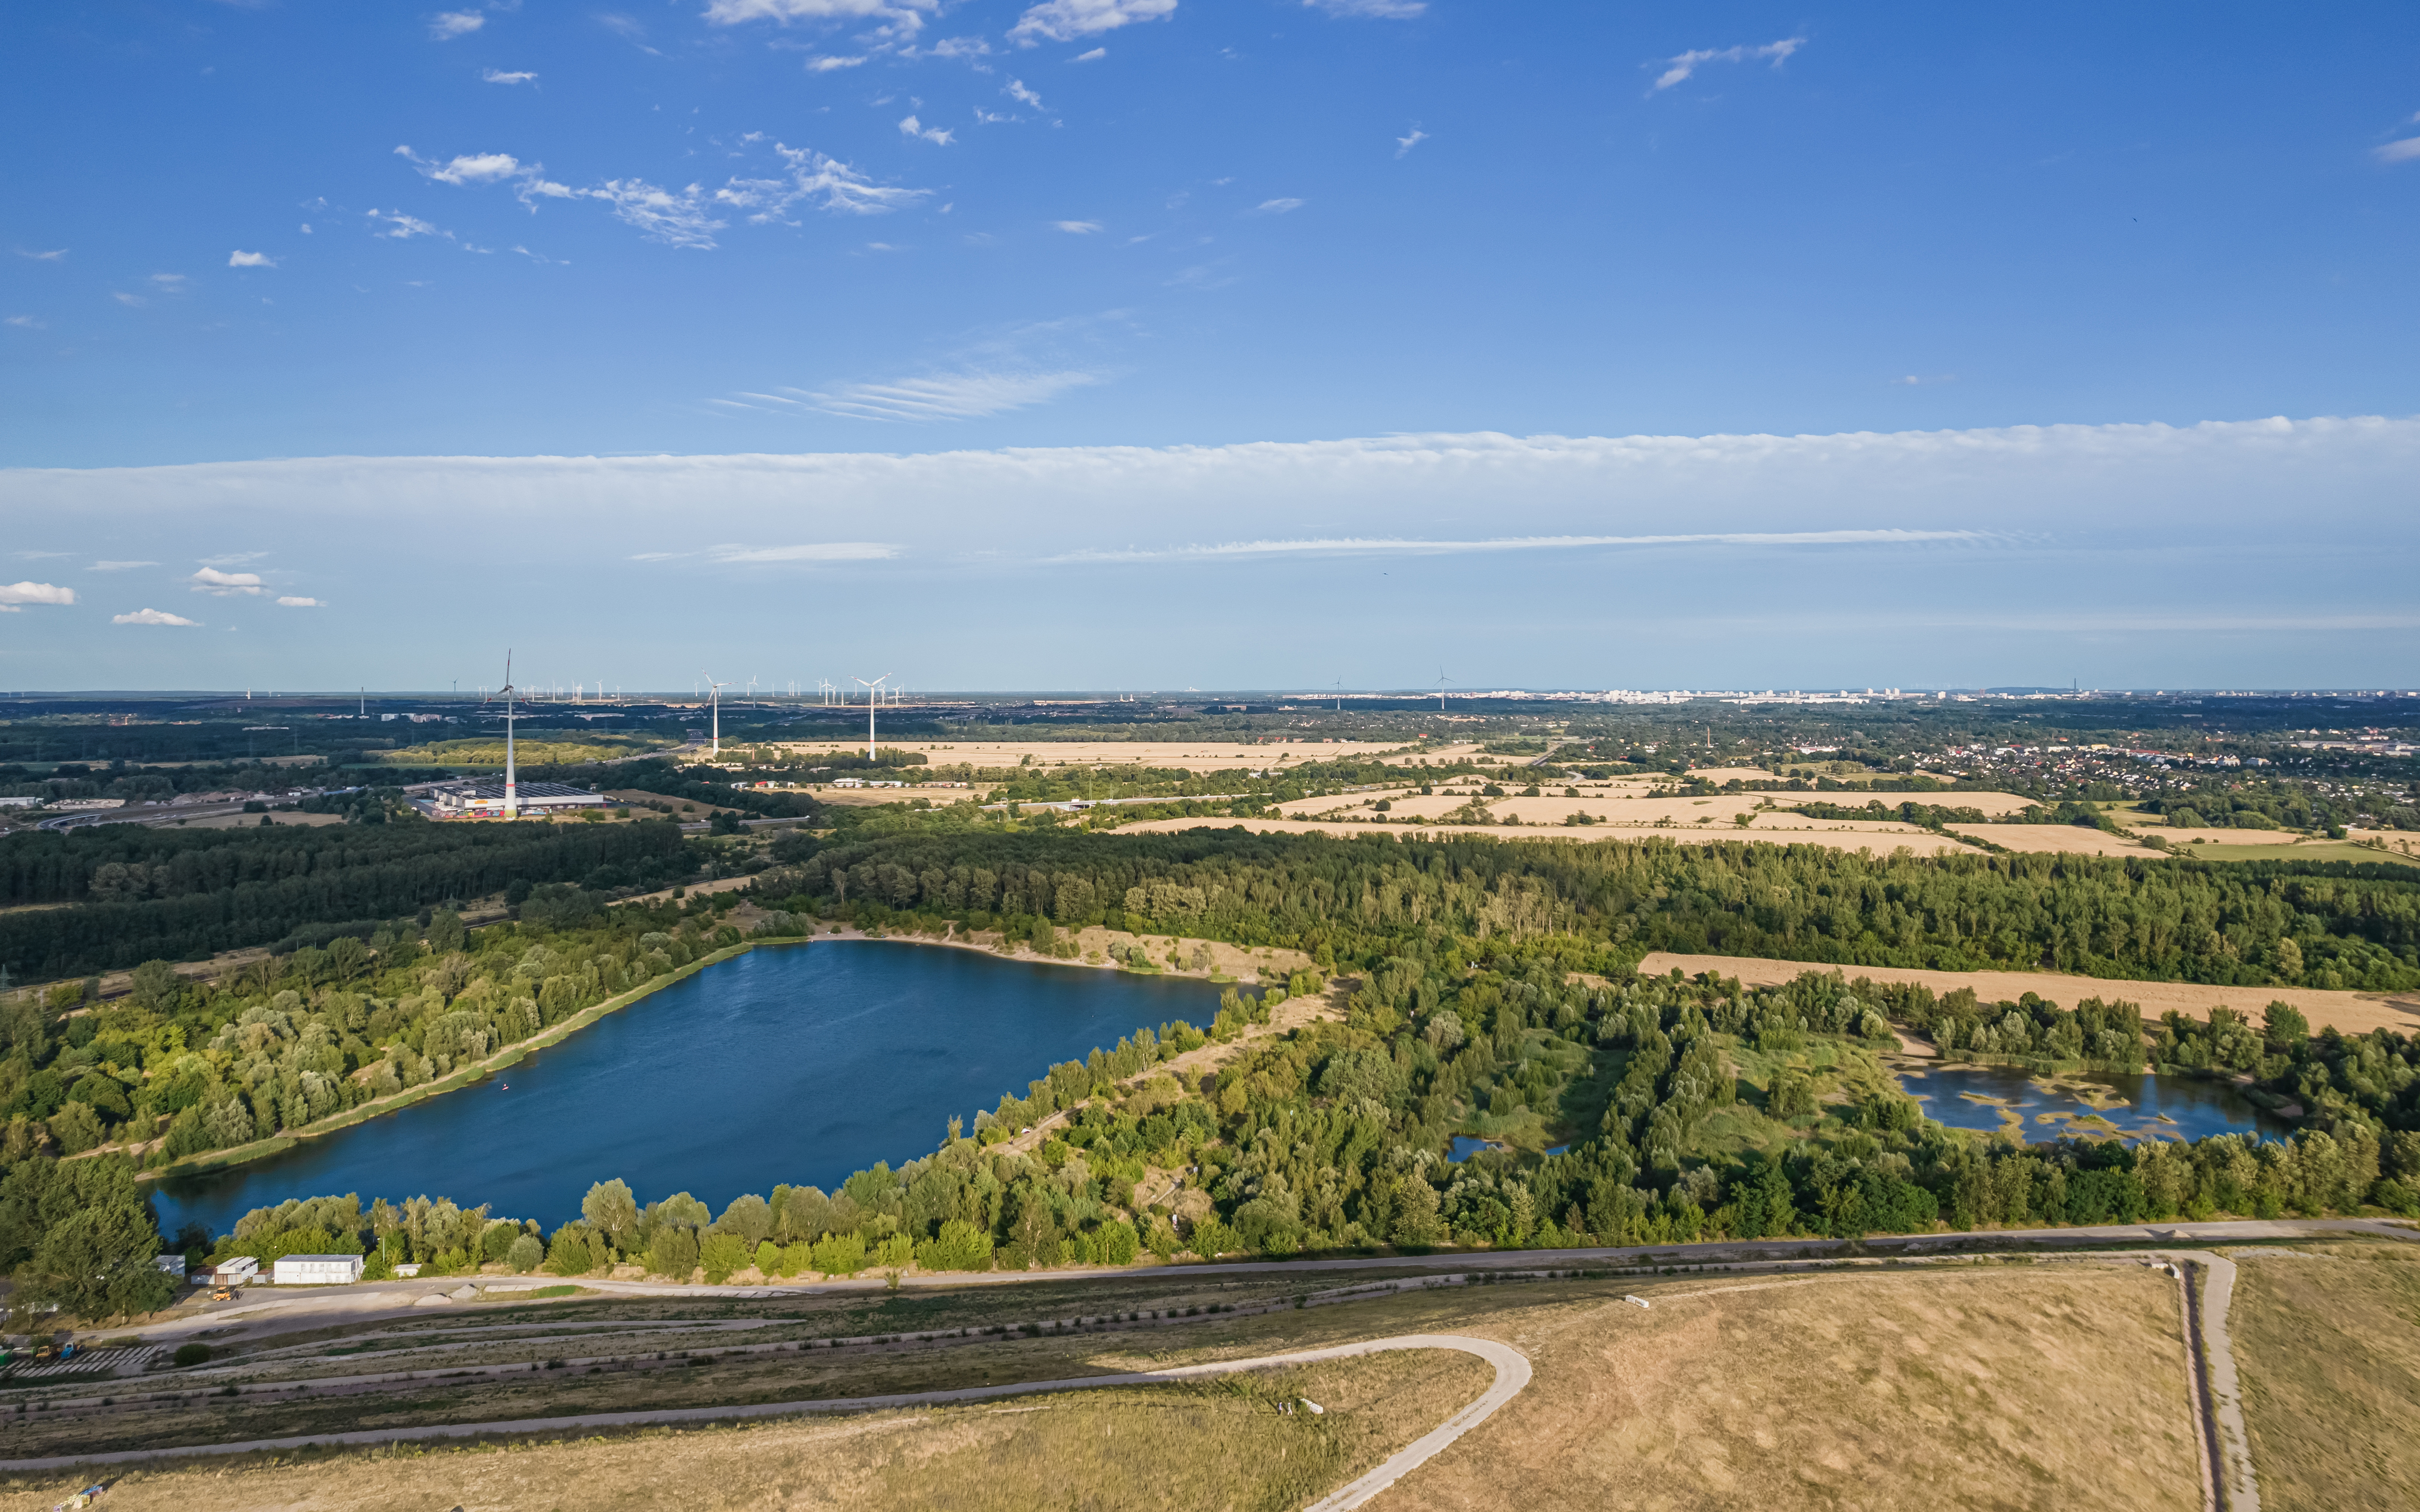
[{"x": 2327, "y": 1341}]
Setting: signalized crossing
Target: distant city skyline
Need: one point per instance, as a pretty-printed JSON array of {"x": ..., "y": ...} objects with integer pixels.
[{"x": 1085, "y": 345}]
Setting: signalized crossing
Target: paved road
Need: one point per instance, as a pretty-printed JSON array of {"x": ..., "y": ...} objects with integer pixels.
[{"x": 1512, "y": 1374}]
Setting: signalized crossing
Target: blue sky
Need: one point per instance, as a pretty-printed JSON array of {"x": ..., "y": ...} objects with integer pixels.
[{"x": 1082, "y": 329}]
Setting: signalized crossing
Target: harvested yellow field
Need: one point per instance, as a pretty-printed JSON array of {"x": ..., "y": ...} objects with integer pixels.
[
  {"x": 1178, "y": 755},
  {"x": 2007, "y": 1387},
  {"x": 1880, "y": 842},
  {"x": 2327, "y": 1341},
  {"x": 2226, "y": 837},
  {"x": 2052, "y": 839},
  {"x": 2349, "y": 1012}
]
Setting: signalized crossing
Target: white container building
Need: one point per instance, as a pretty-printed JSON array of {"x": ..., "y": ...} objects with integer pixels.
[{"x": 316, "y": 1270}]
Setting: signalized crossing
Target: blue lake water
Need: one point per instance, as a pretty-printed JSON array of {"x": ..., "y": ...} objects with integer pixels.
[
  {"x": 791, "y": 1063},
  {"x": 2163, "y": 1107}
]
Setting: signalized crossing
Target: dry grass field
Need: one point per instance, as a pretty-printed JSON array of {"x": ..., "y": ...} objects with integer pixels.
[
  {"x": 252, "y": 821},
  {"x": 2023, "y": 1386},
  {"x": 2350, "y": 1013},
  {"x": 2327, "y": 1342},
  {"x": 1216, "y": 1443},
  {"x": 2052, "y": 839}
]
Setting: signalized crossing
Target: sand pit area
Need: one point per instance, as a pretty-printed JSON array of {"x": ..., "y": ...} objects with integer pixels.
[{"x": 2349, "y": 1012}]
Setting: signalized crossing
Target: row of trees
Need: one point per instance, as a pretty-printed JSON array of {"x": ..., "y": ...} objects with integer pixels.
[{"x": 185, "y": 894}]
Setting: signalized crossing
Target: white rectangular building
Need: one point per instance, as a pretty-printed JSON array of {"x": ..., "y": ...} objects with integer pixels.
[
  {"x": 238, "y": 1272},
  {"x": 316, "y": 1270}
]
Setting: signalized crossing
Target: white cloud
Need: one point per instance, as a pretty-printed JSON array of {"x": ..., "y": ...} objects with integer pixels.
[
  {"x": 152, "y": 616},
  {"x": 1406, "y": 144},
  {"x": 211, "y": 581},
  {"x": 252, "y": 259},
  {"x": 500, "y": 76},
  {"x": 1063, "y": 20},
  {"x": 1094, "y": 56},
  {"x": 1678, "y": 68},
  {"x": 448, "y": 24},
  {"x": 1079, "y": 228},
  {"x": 14, "y": 595},
  {"x": 134, "y": 301},
  {"x": 1278, "y": 206},
  {"x": 468, "y": 168},
  {"x": 171, "y": 283},
  {"x": 121, "y": 567},
  {"x": 1018, "y": 91},
  {"x": 1383, "y": 545},
  {"x": 2403, "y": 151},
  {"x": 27, "y": 321},
  {"x": 43, "y": 257},
  {"x": 1914, "y": 380},
  {"x": 903, "y": 18},
  {"x": 292, "y": 601},
  {"x": 832, "y": 185},
  {"x": 826, "y": 65},
  {"x": 1370, "y": 9},
  {"x": 912, "y": 127},
  {"x": 402, "y": 228},
  {"x": 678, "y": 220}
]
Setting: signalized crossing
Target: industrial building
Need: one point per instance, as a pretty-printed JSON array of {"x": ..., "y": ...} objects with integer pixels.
[
  {"x": 484, "y": 798},
  {"x": 316, "y": 1270},
  {"x": 237, "y": 1272}
]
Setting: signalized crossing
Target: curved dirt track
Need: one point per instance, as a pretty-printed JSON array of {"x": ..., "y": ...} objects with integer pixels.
[{"x": 1511, "y": 1375}]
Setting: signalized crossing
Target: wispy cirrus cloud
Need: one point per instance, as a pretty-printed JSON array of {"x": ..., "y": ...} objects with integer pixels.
[
  {"x": 1678, "y": 70},
  {"x": 13, "y": 596},
  {"x": 961, "y": 395},
  {"x": 1381, "y": 546},
  {"x": 911, "y": 127},
  {"x": 1406, "y": 144},
  {"x": 1278, "y": 206},
  {"x": 1370, "y": 9},
  {"x": 153, "y": 616},
  {"x": 42, "y": 257},
  {"x": 1063, "y": 20},
  {"x": 120, "y": 566},
  {"x": 829, "y": 64},
  {"x": 1077, "y": 228},
  {"x": 447, "y": 25},
  {"x": 899, "y": 18},
  {"x": 298, "y": 601},
  {"x": 500, "y": 76},
  {"x": 2403, "y": 151},
  {"x": 765, "y": 555}
]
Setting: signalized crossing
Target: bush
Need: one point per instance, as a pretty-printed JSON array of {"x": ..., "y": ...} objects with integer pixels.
[
  {"x": 960, "y": 1246},
  {"x": 192, "y": 1355},
  {"x": 525, "y": 1255}
]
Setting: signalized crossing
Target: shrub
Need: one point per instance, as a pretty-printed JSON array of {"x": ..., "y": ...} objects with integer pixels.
[{"x": 192, "y": 1355}]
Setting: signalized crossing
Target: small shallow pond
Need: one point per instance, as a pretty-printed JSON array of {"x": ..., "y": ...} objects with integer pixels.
[{"x": 2092, "y": 1104}]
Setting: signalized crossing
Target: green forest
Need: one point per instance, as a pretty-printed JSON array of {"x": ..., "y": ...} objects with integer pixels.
[{"x": 1688, "y": 1109}]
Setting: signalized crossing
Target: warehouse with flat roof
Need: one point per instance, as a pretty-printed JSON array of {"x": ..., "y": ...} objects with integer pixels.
[{"x": 484, "y": 798}]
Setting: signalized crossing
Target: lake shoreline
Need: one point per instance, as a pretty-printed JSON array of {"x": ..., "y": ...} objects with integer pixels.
[{"x": 213, "y": 1162}]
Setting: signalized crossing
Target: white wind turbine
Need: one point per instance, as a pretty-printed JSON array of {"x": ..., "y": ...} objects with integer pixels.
[
  {"x": 872, "y": 697},
  {"x": 717, "y": 699},
  {"x": 512, "y": 792},
  {"x": 1442, "y": 680}
]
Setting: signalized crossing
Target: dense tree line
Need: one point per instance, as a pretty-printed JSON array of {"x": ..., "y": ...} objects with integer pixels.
[
  {"x": 2323, "y": 924},
  {"x": 143, "y": 892}
]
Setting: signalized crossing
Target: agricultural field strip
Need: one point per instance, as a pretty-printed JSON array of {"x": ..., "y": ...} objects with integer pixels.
[
  {"x": 1512, "y": 1374},
  {"x": 646, "y": 1359}
]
